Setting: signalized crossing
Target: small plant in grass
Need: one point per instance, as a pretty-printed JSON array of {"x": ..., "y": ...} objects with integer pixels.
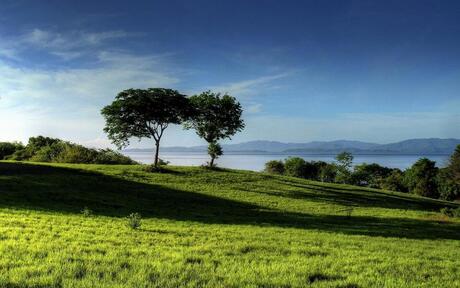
[
  {"x": 159, "y": 168},
  {"x": 450, "y": 212},
  {"x": 87, "y": 212},
  {"x": 134, "y": 220}
]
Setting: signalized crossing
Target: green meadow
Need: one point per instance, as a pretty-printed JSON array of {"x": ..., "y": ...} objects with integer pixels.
[{"x": 215, "y": 228}]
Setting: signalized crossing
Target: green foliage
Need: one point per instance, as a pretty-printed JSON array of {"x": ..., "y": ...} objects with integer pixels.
[
  {"x": 421, "y": 178},
  {"x": 133, "y": 220},
  {"x": 215, "y": 117},
  {"x": 33, "y": 146},
  {"x": 370, "y": 175},
  {"x": 159, "y": 168},
  {"x": 394, "y": 181},
  {"x": 451, "y": 212},
  {"x": 448, "y": 188},
  {"x": 144, "y": 113},
  {"x": 343, "y": 176},
  {"x": 215, "y": 151},
  {"x": 274, "y": 167},
  {"x": 294, "y": 166},
  {"x": 454, "y": 165},
  {"x": 109, "y": 156},
  {"x": 9, "y": 148},
  {"x": 312, "y": 169},
  {"x": 86, "y": 212},
  {"x": 343, "y": 173},
  {"x": 327, "y": 173},
  {"x": 344, "y": 159},
  {"x": 44, "y": 149}
]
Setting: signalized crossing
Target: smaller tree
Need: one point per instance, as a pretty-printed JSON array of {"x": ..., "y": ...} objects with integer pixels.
[
  {"x": 215, "y": 117},
  {"x": 344, "y": 161},
  {"x": 215, "y": 151},
  {"x": 421, "y": 178}
]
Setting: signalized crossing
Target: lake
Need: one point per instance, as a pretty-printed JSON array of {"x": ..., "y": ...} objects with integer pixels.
[{"x": 256, "y": 162}]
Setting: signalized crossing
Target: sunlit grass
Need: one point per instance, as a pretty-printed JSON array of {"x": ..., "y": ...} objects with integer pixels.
[{"x": 203, "y": 228}]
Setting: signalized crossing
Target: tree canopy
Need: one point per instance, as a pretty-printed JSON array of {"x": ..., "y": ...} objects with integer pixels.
[
  {"x": 215, "y": 117},
  {"x": 144, "y": 113}
]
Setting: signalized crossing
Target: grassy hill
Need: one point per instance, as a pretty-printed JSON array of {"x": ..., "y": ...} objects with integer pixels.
[{"x": 227, "y": 228}]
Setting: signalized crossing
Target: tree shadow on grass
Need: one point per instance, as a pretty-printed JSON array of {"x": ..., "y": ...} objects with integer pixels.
[{"x": 68, "y": 190}]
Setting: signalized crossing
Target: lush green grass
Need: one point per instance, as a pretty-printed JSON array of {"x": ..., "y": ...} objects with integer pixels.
[{"x": 205, "y": 228}]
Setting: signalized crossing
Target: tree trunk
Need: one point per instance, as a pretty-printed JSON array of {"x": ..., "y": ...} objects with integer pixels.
[
  {"x": 157, "y": 150},
  {"x": 211, "y": 164}
]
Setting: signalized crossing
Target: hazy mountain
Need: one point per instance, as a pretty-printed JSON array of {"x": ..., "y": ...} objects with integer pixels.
[
  {"x": 412, "y": 146},
  {"x": 422, "y": 146}
]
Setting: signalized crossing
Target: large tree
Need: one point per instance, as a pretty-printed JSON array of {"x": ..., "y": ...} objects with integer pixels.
[
  {"x": 215, "y": 117},
  {"x": 144, "y": 113}
]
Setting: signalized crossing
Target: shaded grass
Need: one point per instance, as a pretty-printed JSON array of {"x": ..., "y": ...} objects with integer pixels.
[{"x": 224, "y": 228}]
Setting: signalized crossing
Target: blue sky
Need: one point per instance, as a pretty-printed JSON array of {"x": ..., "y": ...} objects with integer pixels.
[{"x": 379, "y": 71}]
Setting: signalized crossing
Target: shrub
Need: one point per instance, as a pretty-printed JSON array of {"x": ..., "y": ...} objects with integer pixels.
[
  {"x": 312, "y": 169},
  {"x": 394, "y": 181},
  {"x": 8, "y": 148},
  {"x": 454, "y": 165},
  {"x": 327, "y": 173},
  {"x": 76, "y": 154},
  {"x": 87, "y": 212},
  {"x": 421, "y": 178},
  {"x": 274, "y": 167},
  {"x": 369, "y": 174},
  {"x": 294, "y": 166},
  {"x": 450, "y": 212},
  {"x": 44, "y": 149},
  {"x": 108, "y": 156},
  {"x": 344, "y": 162},
  {"x": 343, "y": 176},
  {"x": 448, "y": 189},
  {"x": 134, "y": 220}
]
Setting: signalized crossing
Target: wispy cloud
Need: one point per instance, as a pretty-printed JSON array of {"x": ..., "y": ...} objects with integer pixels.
[
  {"x": 65, "y": 101},
  {"x": 69, "y": 40},
  {"x": 249, "y": 87},
  {"x": 67, "y": 46}
]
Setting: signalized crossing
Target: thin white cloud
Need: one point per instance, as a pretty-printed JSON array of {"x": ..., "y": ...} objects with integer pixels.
[
  {"x": 70, "y": 40},
  {"x": 249, "y": 87},
  {"x": 253, "y": 108},
  {"x": 67, "y": 46},
  {"x": 66, "y": 102}
]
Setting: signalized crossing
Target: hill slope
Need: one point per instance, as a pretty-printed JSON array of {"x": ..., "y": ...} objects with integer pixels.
[{"x": 215, "y": 229}]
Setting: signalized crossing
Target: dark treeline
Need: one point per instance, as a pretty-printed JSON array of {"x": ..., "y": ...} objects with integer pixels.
[{"x": 423, "y": 178}]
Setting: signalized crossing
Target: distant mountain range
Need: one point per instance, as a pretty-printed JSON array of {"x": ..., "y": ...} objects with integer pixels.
[{"x": 429, "y": 146}]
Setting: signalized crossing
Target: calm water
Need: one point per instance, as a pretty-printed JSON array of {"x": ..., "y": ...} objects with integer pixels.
[{"x": 256, "y": 162}]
